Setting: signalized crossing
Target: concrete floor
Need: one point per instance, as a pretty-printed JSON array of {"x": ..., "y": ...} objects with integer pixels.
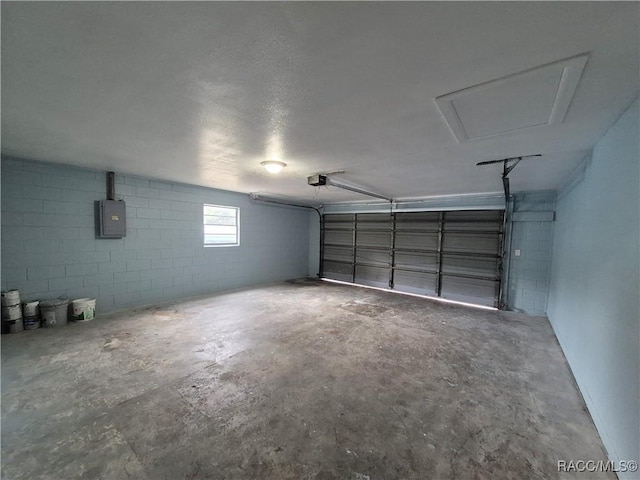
[{"x": 299, "y": 380}]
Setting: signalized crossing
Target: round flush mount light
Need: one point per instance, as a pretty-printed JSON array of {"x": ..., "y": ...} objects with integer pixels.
[{"x": 273, "y": 166}]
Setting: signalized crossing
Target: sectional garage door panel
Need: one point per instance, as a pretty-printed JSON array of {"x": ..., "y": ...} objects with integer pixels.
[
  {"x": 337, "y": 237},
  {"x": 452, "y": 254},
  {"x": 372, "y": 239},
  {"x": 378, "y": 258},
  {"x": 339, "y": 217},
  {"x": 413, "y": 261},
  {"x": 372, "y": 276},
  {"x": 419, "y": 220},
  {"x": 416, "y": 240},
  {"x": 415, "y": 253},
  {"x": 477, "y": 292},
  {"x": 415, "y": 272},
  {"x": 374, "y": 221},
  {"x": 469, "y": 266},
  {"x": 415, "y": 282},
  {"x": 337, "y": 271},
  {"x": 373, "y": 230},
  {"x": 472, "y": 243},
  {"x": 473, "y": 220},
  {"x": 337, "y": 251},
  {"x": 471, "y": 250},
  {"x": 373, "y": 249},
  {"x": 338, "y": 254}
]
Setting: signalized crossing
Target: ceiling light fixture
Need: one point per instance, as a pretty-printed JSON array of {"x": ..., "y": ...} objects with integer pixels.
[{"x": 273, "y": 166}]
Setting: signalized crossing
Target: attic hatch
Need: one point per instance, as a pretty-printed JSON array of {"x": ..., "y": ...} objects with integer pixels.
[{"x": 533, "y": 98}]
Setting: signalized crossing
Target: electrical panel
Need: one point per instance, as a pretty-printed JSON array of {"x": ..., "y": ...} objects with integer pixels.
[{"x": 112, "y": 219}]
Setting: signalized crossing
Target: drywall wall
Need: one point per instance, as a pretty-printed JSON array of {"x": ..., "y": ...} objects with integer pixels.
[
  {"x": 49, "y": 247},
  {"x": 594, "y": 301},
  {"x": 531, "y": 237}
]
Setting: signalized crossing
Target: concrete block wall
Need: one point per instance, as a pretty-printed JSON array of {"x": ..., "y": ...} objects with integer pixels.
[
  {"x": 532, "y": 235},
  {"x": 50, "y": 249}
]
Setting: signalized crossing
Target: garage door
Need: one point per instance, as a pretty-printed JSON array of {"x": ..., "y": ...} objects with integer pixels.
[{"x": 454, "y": 254}]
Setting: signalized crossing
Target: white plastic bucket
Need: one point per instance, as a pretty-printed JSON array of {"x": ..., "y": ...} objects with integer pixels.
[
  {"x": 13, "y": 326},
  {"x": 30, "y": 309},
  {"x": 54, "y": 312},
  {"x": 11, "y": 312},
  {"x": 83, "y": 309},
  {"x": 10, "y": 297},
  {"x": 49, "y": 318}
]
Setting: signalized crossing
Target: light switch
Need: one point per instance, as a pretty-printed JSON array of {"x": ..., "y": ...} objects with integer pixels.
[{"x": 516, "y": 252}]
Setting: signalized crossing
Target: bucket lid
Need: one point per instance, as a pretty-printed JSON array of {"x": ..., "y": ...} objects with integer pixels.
[
  {"x": 54, "y": 302},
  {"x": 83, "y": 300}
]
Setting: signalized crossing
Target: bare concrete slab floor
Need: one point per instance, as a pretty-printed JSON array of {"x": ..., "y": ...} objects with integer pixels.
[{"x": 299, "y": 380}]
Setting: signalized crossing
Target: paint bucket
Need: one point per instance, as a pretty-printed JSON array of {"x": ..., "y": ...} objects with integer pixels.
[
  {"x": 11, "y": 312},
  {"x": 54, "y": 312},
  {"x": 30, "y": 309},
  {"x": 31, "y": 323},
  {"x": 13, "y": 326},
  {"x": 83, "y": 309},
  {"x": 10, "y": 297}
]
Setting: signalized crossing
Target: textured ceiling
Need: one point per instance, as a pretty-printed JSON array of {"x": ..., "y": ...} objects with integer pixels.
[{"x": 203, "y": 92}]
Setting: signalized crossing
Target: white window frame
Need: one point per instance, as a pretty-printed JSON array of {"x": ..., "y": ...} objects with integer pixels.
[{"x": 237, "y": 225}]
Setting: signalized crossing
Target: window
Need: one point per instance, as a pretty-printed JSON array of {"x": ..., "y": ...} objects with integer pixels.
[{"x": 221, "y": 226}]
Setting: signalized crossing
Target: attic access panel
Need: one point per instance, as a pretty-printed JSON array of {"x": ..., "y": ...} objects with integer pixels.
[
  {"x": 454, "y": 254},
  {"x": 537, "y": 97}
]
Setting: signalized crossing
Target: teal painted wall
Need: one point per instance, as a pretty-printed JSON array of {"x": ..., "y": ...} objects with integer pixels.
[
  {"x": 49, "y": 247},
  {"x": 595, "y": 287}
]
